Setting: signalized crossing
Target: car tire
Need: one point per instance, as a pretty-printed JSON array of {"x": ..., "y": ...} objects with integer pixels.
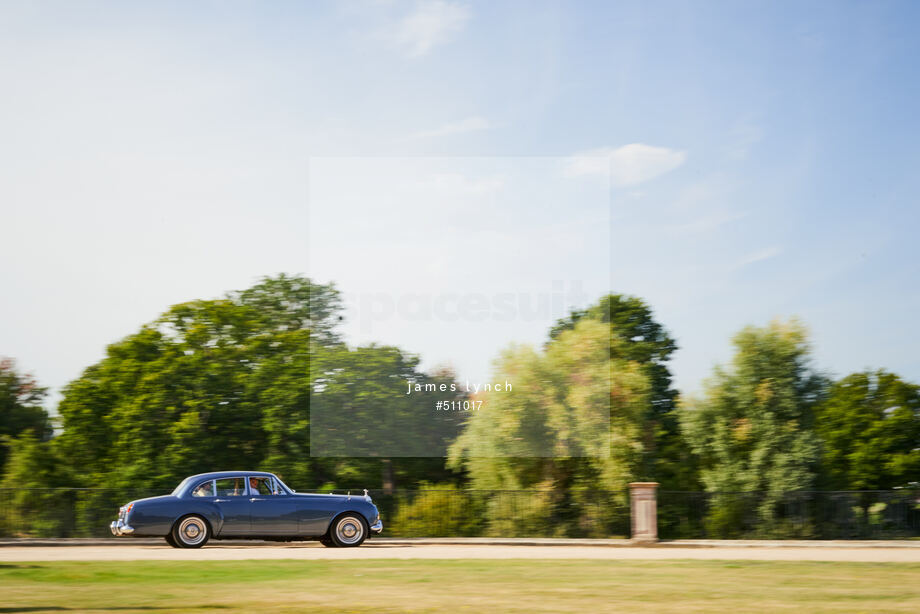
[
  {"x": 170, "y": 540},
  {"x": 348, "y": 530},
  {"x": 191, "y": 532},
  {"x": 327, "y": 542}
]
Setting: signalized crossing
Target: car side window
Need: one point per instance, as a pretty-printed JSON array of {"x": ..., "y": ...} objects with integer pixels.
[
  {"x": 231, "y": 487},
  {"x": 205, "y": 489},
  {"x": 260, "y": 486}
]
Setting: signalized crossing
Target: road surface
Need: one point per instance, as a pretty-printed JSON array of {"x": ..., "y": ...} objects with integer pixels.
[{"x": 313, "y": 551}]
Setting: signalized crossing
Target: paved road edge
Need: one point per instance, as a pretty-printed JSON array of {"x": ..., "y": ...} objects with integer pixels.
[{"x": 487, "y": 541}]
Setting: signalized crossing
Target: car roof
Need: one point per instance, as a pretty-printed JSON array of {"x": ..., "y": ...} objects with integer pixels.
[{"x": 216, "y": 475}]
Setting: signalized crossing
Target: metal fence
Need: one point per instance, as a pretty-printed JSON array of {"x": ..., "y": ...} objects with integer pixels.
[
  {"x": 875, "y": 514},
  {"x": 86, "y": 512},
  {"x": 504, "y": 513},
  {"x": 62, "y": 512}
]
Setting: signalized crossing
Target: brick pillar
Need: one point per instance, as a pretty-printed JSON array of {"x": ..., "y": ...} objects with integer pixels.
[{"x": 643, "y": 507}]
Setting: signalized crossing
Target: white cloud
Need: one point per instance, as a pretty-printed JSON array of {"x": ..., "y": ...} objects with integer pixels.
[
  {"x": 431, "y": 23},
  {"x": 628, "y": 165},
  {"x": 758, "y": 256},
  {"x": 470, "y": 124}
]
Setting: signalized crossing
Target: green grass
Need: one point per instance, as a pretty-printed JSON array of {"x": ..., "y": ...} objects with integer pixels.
[{"x": 459, "y": 586}]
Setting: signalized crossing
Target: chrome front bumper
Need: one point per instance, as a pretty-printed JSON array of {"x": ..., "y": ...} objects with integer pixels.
[
  {"x": 376, "y": 528},
  {"x": 119, "y": 528}
]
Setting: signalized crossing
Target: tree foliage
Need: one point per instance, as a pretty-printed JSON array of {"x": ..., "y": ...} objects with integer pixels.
[
  {"x": 21, "y": 407},
  {"x": 33, "y": 468},
  {"x": 424, "y": 514},
  {"x": 753, "y": 425},
  {"x": 360, "y": 405},
  {"x": 571, "y": 423},
  {"x": 637, "y": 337},
  {"x": 232, "y": 383},
  {"x": 869, "y": 428},
  {"x": 259, "y": 378},
  {"x": 210, "y": 384}
]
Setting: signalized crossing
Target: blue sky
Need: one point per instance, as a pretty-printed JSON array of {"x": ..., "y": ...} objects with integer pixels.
[{"x": 763, "y": 160}]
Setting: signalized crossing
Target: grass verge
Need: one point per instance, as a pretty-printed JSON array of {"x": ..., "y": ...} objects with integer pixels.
[{"x": 459, "y": 586}]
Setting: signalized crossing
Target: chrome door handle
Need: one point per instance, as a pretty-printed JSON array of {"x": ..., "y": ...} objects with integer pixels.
[{"x": 254, "y": 499}]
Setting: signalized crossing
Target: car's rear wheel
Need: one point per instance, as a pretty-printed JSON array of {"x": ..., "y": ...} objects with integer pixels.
[
  {"x": 348, "y": 531},
  {"x": 191, "y": 532}
]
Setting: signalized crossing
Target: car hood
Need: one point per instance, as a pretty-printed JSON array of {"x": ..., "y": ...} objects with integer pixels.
[{"x": 332, "y": 497}]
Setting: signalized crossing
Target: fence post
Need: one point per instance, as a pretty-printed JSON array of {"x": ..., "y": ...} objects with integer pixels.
[{"x": 643, "y": 507}]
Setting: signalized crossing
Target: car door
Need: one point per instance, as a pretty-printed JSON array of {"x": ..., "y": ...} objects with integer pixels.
[
  {"x": 272, "y": 510},
  {"x": 234, "y": 506},
  {"x": 316, "y": 511}
]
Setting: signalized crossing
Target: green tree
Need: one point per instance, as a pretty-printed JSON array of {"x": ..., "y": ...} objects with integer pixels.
[
  {"x": 637, "y": 337},
  {"x": 210, "y": 384},
  {"x": 640, "y": 338},
  {"x": 869, "y": 428},
  {"x": 571, "y": 425},
  {"x": 21, "y": 409},
  {"x": 232, "y": 382},
  {"x": 360, "y": 408},
  {"x": 753, "y": 425},
  {"x": 34, "y": 467},
  {"x": 439, "y": 510}
]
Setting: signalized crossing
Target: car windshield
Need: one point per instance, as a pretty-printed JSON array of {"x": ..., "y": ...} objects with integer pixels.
[{"x": 283, "y": 485}]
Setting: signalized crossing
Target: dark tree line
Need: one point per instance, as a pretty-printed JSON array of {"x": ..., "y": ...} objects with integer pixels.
[{"x": 232, "y": 382}]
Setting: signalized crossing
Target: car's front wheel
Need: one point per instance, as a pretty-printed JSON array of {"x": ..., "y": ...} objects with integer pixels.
[
  {"x": 191, "y": 532},
  {"x": 171, "y": 541},
  {"x": 348, "y": 531}
]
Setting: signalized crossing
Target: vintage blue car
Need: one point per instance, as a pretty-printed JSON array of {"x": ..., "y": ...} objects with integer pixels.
[{"x": 248, "y": 505}]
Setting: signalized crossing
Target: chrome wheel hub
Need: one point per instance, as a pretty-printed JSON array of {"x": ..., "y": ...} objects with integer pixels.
[
  {"x": 349, "y": 530},
  {"x": 192, "y": 531}
]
